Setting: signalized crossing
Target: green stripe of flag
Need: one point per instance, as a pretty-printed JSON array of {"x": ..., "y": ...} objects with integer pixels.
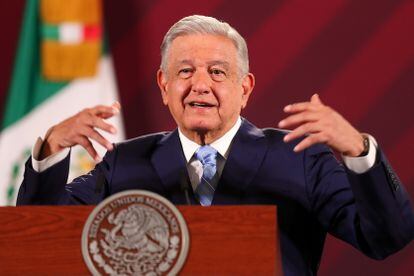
[
  {"x": 50, "y": 32},
  {"x": 27, "y": 87}
]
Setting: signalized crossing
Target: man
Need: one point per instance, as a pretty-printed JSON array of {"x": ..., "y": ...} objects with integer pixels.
[{"x": 205, "y": 82}]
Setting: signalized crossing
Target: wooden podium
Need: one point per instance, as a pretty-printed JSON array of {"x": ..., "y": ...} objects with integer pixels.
[{"x": 224, "y": 240}]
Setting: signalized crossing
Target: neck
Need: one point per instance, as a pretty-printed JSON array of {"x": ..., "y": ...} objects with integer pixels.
[
  {"x": 203, "y": 137},
  {"x": 206, "y": 137}
]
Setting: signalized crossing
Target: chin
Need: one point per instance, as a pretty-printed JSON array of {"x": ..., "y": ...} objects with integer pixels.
[{"x": 201, "y": 126}]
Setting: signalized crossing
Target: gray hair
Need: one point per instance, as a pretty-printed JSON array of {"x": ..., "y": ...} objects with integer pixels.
[{"x": 198, "y": 24}]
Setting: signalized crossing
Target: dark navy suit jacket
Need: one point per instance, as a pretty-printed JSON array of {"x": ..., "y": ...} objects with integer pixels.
[{"x": 313, "y": 192}]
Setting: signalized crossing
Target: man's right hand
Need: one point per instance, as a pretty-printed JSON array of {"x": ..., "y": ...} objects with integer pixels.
[{"x": 80, "y": 129}]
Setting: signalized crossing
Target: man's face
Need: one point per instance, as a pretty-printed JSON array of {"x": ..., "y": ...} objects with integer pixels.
[{"x": 202, "y": 86}]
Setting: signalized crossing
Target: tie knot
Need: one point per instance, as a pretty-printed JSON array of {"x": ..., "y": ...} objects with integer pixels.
[{"x": 206, "y": 155}]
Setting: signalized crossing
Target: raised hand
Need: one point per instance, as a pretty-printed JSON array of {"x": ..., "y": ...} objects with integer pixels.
[
  {"x": 80, "y": 129},
  {"x": 321, "y": 124}
]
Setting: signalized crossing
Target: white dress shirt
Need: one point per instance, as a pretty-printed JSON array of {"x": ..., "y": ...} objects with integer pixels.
[
  {"x": 222, "y": 145},
  {"x": 194, "y": 167}
]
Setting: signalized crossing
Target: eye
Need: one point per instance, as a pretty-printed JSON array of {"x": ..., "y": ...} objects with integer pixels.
[
  {"x": 217, "y": 74},
  {"x": 185, "y": 72}
]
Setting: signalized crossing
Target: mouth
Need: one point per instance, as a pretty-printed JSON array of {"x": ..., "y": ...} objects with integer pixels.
[{"x": 201, "y": 104}]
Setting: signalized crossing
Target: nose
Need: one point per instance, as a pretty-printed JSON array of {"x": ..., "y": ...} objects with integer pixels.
[{"x": 201, "y": 82}]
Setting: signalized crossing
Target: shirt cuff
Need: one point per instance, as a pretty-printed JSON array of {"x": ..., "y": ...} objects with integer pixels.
[
  {"x": 364, "y": 163},
  {"x": 42, "y": 165}
]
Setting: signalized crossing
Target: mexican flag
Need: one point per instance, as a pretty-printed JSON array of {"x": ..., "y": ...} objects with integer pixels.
[{"x": 61, "y": 66}]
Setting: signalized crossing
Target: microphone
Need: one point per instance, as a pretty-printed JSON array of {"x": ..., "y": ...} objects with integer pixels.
[{"x": 185, "y": 186}]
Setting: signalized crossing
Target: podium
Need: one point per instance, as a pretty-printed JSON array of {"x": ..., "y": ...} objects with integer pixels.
[{"x": 224, "y": 240}]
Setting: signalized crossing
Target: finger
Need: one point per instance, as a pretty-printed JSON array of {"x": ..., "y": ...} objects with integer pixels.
[
  {"x": 301, "y": 131},
  {"x": 316, "y": 99},
  {"x": 309, "y": 141},
  {"x": 300, "y": 107},
  {"x": 116, "y": 105},
  {"x": 91, "y": 133},
  {"x": 104, "y": 111},
  {"x": 87, "y": 145},
  {"x": 101, "y": 124},
  {"x": 298, "y": 118},
  {"x": 106, "y": 115}
]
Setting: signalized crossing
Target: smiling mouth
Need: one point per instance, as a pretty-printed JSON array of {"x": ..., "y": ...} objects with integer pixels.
[{"x": 202, "y": 105}]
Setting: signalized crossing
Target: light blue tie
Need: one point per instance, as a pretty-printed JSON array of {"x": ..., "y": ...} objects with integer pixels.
[{"x": 205, "y": 190}]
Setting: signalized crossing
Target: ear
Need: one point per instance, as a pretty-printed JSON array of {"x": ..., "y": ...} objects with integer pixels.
[
  {"x": 247, "y": 85},
  {"x": 162, "y": 84}
]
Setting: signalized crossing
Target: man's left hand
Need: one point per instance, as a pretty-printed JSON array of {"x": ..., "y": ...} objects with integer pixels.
[{"x": 321, "y": 124}]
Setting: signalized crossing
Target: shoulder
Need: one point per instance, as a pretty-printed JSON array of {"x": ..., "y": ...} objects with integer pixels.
[
  {"x": 274, "y": 139},
  {"x": 132, "y": 157},
  {"x": 144, "y": 139},
  {"x": 141, "y": 144},
  {"x": 274, "y": 134},
  {"x": 270, "y": 139},
  {"x": 250, "y": 130}
]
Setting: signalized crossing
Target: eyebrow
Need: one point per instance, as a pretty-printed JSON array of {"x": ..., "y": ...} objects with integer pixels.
[
  {"x": 210, "y": 63},
  {"x": 219, "y": 62},
  {"x": 185, "y": 61}
]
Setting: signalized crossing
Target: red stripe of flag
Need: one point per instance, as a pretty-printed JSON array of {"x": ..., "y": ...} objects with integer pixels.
[{"x": 92, "y": 32}]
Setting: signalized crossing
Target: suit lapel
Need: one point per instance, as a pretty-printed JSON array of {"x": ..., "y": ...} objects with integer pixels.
[
  {"x": 169, "y": 162},
  {"x": 246, "y": 154}
]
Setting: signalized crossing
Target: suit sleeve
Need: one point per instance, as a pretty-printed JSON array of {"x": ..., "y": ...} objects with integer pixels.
[
  {"x": 371, "y": 211},
  {"x": 49, "y": 187}
]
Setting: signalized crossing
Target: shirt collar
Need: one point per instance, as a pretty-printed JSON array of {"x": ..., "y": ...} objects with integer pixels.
[{"x": 222, "y": 145}]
